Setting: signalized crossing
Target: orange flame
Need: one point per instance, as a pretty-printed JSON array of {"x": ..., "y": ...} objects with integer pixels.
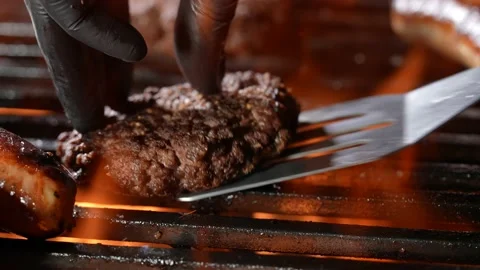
[
  {"x": 328, "y": 257},
  {"x": 24, "y": 112},
  {"x": 408, "y": 76},
  {"x": 335, "y": 220},
  {"x": 392, "y": 175}
]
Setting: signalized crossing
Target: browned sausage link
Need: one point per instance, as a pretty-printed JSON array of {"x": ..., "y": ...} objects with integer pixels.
[
  {"x": 449, "y": 26},
  {"x": 37, "y": 193}
]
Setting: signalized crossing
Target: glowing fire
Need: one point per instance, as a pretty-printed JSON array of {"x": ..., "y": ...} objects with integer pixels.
[
  {"x": 327, "y": 257},
  {"x": 408, "y": 75},
  {"x": 392, "y": 175},
  {"x": 98, "y": 200},
  {"x": 130, "y": 207},
  {"x": 24, "y": 112},
  {"x": 91, "y": 241},
  {"x": 333, "y": 220}
]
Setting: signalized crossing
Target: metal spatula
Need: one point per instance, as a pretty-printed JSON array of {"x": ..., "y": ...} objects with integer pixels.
[{"x": 375, "y": 127}]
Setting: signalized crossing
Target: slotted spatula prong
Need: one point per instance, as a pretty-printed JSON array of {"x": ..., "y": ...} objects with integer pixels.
[
  {"x": 327, "y": 145},
  {"x": 356, "y": 124}
]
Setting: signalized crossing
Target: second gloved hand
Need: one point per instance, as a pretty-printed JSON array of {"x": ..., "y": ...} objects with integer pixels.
[
  {"x": 87, "y": 45},
  {"x": 201, "y": 29}
]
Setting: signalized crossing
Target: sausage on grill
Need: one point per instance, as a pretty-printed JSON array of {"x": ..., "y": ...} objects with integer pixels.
[
  {"x": 37, "y": 193},
  {"x": 449, "y": 26}
]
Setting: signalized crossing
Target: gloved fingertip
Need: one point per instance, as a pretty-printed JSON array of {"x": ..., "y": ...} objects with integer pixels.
[{"x": 137, "y": 52}]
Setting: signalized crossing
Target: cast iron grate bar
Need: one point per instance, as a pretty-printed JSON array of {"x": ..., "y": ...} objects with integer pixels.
[
  {"x": 17, "y": 254},
  {"x": 209, "y": 231}
]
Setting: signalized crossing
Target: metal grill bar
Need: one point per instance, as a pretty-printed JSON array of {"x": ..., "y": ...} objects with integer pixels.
[
  {"x": 442, "y": 210},
  {"x": 445, "y": 211},
  {"x": 202, "y": 231},
  {"x": 52, "y": 255}
]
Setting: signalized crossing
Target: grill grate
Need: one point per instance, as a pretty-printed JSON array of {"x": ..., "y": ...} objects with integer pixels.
[{"x": 410, "y": 211}]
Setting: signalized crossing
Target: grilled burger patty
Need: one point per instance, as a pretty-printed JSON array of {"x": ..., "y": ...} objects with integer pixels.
[{"x": 182, "y": 141}]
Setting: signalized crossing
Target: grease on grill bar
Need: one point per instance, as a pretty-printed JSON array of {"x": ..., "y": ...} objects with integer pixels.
[{"x": 418, "y": 209}]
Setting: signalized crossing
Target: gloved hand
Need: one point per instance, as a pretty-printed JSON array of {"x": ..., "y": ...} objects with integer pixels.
[
  {"x": 200, "y": 33},
  {"x": 75, "y": 35},
  {"x": 82, "y": 42}
]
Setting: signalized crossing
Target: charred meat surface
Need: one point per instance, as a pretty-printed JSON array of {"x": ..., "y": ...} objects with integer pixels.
[
  {"x": 183, "y": 141},
  {"x": 37, "y": 192}
]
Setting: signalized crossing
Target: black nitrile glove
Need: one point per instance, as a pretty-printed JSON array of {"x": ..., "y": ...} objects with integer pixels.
[
  {"x": 82, "y": 41},
  {"x": 200, "y": 33},
  {"x": 75, "y": 35}
]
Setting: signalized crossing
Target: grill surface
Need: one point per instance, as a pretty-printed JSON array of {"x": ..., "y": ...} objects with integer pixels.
[{"x": 418, "y": 209}]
